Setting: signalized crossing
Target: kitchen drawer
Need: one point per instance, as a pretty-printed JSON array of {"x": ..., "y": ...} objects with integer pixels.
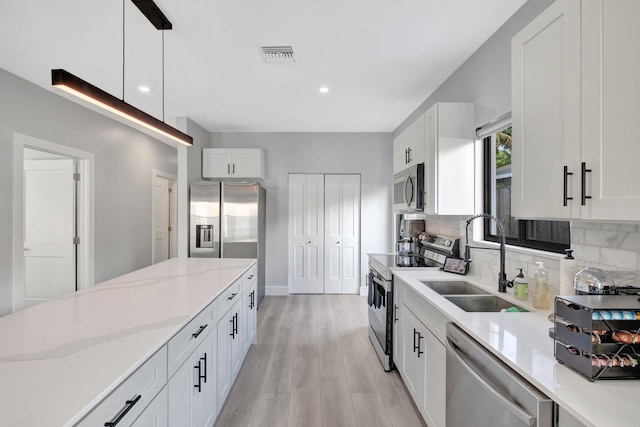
[
  {"x": 432, "y": 318},
  {"x": 249, "y": 277},
  {"x": 182, "y": 344},
  {"x": 131, "y": 397},
  {"x": 227, "y": 299}
]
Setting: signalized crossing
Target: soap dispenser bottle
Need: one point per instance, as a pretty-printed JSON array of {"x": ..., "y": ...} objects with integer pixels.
[
  {"x": 541, "y": 288},
  {"x": 520, "y": 287}
]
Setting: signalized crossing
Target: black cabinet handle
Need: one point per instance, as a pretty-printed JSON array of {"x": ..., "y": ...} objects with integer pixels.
[
  {"x": 414, "y": 339},
  {"x": 409, "y": 150},
  {"x": 419, "y": 338},
  {"x": 565, "y": 197},
  {"x": 198, "y": 386},
  {"x": 128, "y": 404},
  {"x": 233, "y": 295},
  {"x": 233, "y": 328},
  {"x": 235, "y": 325},
  {"x": 234, "y": 168},
  {"x": 406, "y": 156},
  {"x": 584, "y": 183},
  {"x": 228, "y": 169},
  {"x": 204, "y": 376},
  {"x": 199, "y": 331}
]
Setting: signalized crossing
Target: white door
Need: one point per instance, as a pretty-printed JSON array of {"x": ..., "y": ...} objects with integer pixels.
[
  {"x": 161, "y": 219},
  {"x": 49, "y": 230},
  {"x": 306, "y": 235},
  {"x": 342, "y": 234}
]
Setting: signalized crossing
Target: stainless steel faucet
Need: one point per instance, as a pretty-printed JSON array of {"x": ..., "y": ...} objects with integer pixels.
[{"x": 503, "y": 283}]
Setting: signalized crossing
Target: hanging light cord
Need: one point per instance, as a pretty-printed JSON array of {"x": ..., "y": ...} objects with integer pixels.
[
  {"x": 123, "y": 46},
  {"x": 163, "y": 75}
]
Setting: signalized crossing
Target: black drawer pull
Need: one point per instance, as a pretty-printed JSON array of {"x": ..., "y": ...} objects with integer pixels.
[
  {"x": 233, "y": 295},
  {"x": 204, "y": 376},
  {"x": 128, "y": 405},
  {"x": 233, "y": 327},
  {"x": 565, "y": 197},
  {"x": 198, "y": 386},
  {"x": 419, "y": 351},
  {"x": 199, "y": 331},
  {"x": 584, "y": 183}
]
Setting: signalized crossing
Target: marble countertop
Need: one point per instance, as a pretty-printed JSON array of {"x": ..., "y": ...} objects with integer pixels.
[
  {"x": 60, "y": 358},
  {"x": 521, "y": 340}
]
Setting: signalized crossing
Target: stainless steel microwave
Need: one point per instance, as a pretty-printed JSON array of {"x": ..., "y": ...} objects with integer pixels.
[{"x": 408, "y": 190}]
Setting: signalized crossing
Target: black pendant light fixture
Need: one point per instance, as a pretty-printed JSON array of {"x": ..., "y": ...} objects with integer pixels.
[{"x": 74, "y": 85}]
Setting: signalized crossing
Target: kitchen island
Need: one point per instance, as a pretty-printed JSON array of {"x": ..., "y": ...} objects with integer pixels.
[
  {"x": 521, "y": 341},
  {"x": 60, "y": 359}
]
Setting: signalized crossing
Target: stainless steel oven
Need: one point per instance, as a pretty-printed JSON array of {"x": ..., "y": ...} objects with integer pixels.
[
  {"x": 380, "y": 299},
  {"x": 408, "y": 190}
]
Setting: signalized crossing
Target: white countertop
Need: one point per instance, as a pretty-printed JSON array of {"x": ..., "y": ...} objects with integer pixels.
[
  {"x": 522, "y": 341},
  {"x": 58, "y": 359}
]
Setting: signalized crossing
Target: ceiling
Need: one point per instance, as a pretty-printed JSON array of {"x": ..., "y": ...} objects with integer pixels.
[{"x": 380, "y": 59}]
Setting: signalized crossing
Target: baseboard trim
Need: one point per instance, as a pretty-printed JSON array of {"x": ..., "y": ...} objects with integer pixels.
[{"x": 276, "y": 290}]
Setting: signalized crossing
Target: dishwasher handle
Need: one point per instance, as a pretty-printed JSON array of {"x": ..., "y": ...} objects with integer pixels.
[{"x": 499, "y": 397}]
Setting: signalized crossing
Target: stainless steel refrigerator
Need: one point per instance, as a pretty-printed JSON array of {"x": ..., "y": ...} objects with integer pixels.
[{"x": 227, "y": 220}]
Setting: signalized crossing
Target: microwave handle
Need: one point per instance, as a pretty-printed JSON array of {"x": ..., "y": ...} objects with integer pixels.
[{"x": 408, "y": 198}]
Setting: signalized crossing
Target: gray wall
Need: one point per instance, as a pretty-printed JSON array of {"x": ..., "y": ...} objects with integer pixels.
[
  {"x": 368, "y": 154},
  {"x": 485, "y": 78},
  {"x": 124, "y": 159}
]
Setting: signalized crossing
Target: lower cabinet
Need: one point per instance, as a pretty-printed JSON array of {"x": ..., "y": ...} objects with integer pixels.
[
  {"x": 249, "y": 317},
  {"x": 229, "y": 362},
  {"x": 420, "y": 358},
  {"x": 192, "y": 389},
  {"x": 155, "y": 415}
]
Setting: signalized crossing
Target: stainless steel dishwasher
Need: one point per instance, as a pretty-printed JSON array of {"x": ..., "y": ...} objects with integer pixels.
[{"x": 484, "y": 392}]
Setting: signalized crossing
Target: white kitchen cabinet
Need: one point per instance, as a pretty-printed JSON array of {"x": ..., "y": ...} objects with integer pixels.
[
  {"x": 419, "y": 354},
  {"x": 409, "y": 146},
  {"x": 545, "y": 71},
  {"x": 155, "y": 415},
  {"x": 229, "y": 361},
  {"x": 249, "y": 316},
  {"x": 128, "y": 401},
  {"x": 192, "y": 397},
  {"x": 449, "y": 159},
  {"x": 575, "y": 98},
  {"x": 232, "y": 163}
]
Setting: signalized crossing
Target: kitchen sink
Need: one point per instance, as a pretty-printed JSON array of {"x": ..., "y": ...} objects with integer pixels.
[
  {"x": 455, "y": 288},
  {"x": 483, "y": 303}
]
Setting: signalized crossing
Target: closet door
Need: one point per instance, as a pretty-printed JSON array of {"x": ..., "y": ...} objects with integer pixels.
[
  {"x": 306, "y": 233},
  {"x": 342, "y": 234}
]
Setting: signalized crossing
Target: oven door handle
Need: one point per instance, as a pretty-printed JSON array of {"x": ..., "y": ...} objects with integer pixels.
[
  {"x": 507, "y": 404},
  {"x": 386, "y": 285}
]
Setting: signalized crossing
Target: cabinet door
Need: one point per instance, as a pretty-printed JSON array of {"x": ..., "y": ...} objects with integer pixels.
[
  {"x": 248, "y": 309},
  {"x": 236, "y": 342},
  {"x": 205, "y": 405},
  {"x": 154, "y": 415},
  {"x": 433, "y": 403},
  {"x": 246, "y": 163},
  {"x": 546, "y": 97},
  {"x": 223, "y": 370},
  {"x": 216, "y": 163},
  {"x": 611, "y": 101},
  {"x": 430, "y": 159},
  {"x": 401, "y": 151},
  {"x": 416, "y": 145},
  {"x": 183, "y": 394},
  {"x": 398, "y": 328},
  {"x": 413, "y": 353},
  {"x": 306, "y": 233}
]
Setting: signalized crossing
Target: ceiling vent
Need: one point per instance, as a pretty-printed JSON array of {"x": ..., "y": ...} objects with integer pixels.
[{"x": 278, "y": 53}]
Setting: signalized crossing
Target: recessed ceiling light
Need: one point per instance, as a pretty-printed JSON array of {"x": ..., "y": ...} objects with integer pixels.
[
  {"x": 144, "y": 89},
  {"x": 324, "y": 89}
]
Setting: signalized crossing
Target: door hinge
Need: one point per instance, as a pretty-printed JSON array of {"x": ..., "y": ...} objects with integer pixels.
[
  {"x": 76, "y": 240},
  {"x": 169, "y": 228},
  {"x": 76, "y": 177}
]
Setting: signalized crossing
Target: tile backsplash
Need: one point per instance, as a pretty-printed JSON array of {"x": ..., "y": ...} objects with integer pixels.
[{"x": 605, "y": 245}]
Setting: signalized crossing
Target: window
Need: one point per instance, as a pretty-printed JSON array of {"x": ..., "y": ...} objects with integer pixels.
[{"x": 551, "y": 236}]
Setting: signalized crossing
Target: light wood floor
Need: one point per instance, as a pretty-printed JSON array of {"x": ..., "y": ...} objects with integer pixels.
[{"x": 313, "y": 365}]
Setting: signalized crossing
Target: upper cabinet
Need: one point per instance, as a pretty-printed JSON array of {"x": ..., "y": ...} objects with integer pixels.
[
  {"x": 232, "y": 163},
  {"x": 575, "y": 101},
  {"x": 449, "y": 168},
  {"x": 408, "y": 147}
]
